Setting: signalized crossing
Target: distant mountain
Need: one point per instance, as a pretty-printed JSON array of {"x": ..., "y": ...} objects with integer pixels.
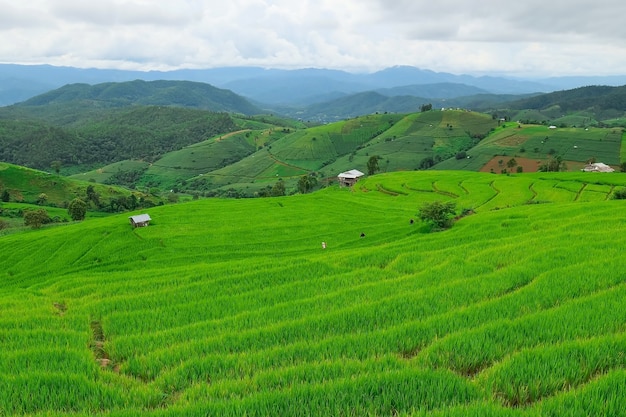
[
  {"x": 437, "y": 90},
  {"x": 156, "y": 93},
  {"x": 598, "y": 98},
  {"x": 358, "y": 104},
  {"x": 276, "y": 86}
]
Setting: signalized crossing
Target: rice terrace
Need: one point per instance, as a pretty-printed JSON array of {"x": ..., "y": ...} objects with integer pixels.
[
  {"x": 169, "y": 249},
  {"x": 225, "y": 307}
]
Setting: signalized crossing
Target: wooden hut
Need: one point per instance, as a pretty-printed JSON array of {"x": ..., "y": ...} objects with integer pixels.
[
  {"x": 140, "y": 220},
  {"x": 349, "y": 178}
]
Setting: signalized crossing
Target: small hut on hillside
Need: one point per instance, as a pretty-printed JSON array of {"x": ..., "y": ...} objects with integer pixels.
[
  {"x": 140, "y": 220},
  {"x": 349, "y": 178},
  {"x": 598, "y": 167}
]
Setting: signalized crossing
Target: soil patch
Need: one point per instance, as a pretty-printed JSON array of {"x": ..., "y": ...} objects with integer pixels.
[{"x": 527, "y": 164}]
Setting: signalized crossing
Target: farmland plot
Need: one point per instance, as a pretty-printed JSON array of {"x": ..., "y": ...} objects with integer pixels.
[{"x": 233, "y": 307}]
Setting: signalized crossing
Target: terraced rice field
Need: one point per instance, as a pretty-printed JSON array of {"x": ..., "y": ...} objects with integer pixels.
[{"x": 232, "y": 307}]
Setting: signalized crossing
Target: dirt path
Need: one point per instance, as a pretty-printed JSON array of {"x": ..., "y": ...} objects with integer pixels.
[{"x": 226, "y": 136}]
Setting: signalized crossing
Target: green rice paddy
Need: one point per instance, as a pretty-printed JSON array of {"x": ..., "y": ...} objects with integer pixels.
[{"x": 233, "y": 308}]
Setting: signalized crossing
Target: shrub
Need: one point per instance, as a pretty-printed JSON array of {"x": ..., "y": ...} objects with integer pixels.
[
  {"x": 36, "y": 218},
  {"x": 619, "y": 194},
  {"x": 438, "y": 214},
  {"x": 77, "y": 209}
]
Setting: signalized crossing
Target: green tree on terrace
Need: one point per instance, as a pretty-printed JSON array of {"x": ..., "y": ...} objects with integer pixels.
[
  {"x": 42, "y": 198},
  {"x": 512, "y": 163},
  {"x": 77, "y": 209},
  {"x": 555, "y": 164},
  {"x": 93, "y": 196},
  {"x": 438, "y": 214},
  {"x": 278, "y": 189},
  {"x": 372, "y": 165},
  {"x": 5, "y": 196},
  {"x": 36, "y": 218},
  {"x": 56, "y": 166},
  {"x": 306, "y": 183}
]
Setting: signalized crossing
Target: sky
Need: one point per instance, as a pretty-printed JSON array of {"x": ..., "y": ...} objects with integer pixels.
[{"x": 521, "y": 38}]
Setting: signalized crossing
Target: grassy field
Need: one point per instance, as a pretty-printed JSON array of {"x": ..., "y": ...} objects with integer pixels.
[
  {"x": 26, "y": 185},
  {"x": 574, "y": 145},
  {"x": 231, "y": 307},
  {"x": 401, "y": 142}
]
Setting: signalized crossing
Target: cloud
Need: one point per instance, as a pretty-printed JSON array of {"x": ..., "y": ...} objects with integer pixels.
[{"x": 529, "y": 37}]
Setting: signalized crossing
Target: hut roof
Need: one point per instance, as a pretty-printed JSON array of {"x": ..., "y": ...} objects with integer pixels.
[
  {"x": 353, "y": 173},
  {"x": 140, "y": 218}
]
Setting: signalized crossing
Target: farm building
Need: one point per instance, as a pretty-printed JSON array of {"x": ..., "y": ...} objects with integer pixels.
[
  {"x": 598, "y": 167},
  {"x": 349, "y": 178},
  {"x": 140, "y": 220}
]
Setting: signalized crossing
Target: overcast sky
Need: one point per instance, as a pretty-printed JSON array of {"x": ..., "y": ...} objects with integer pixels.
[{"x": 525, "y": 37}]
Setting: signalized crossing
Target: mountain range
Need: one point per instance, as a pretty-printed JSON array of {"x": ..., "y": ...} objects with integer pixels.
[{"x": 301, "y": 87}]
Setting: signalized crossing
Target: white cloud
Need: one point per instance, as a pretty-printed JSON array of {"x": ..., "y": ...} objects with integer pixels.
[{"x": 529, "y": 37}]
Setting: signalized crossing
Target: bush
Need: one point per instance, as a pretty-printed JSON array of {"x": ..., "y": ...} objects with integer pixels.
[
  {"x": 77, "y": 209},
  {"x": 36, "y": 218},
  {"x": 619, "y": 194},
  {"x": 440, "y": 215}
]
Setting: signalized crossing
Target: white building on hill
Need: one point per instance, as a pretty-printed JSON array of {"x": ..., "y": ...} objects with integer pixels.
[
  {"x": 349, "y": 178},
  {"x": 598, "y": 167}
]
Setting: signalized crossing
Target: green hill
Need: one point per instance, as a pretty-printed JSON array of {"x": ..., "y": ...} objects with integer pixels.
[
  {"x": 402, "y": 141},
  {"x": 139, "y": 132},
  {"x": 539, "y": 143},
  {"x": 232, "y": 307},
  {"x": 24, "y": 189},
  {"x": 147, "y": 93},
  {"x": 599, "y": 102},
  {"x": 25, "y": 185}
]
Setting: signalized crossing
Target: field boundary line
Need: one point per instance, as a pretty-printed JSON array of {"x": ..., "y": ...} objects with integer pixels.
[
  {"x": 582, "y": 188},
  {"x": 532, "y": 190},
  {"x": 438, "y": 191},
  {"x": 492, "y": 197}
]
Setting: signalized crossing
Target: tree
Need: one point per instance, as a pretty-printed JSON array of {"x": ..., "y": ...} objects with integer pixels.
[
  {"x": 512, "y": 163},
  {"x": 426, "y": 107},
  {"x": 5, "y": 196},
  {"x": 372, "y": 165},
  {"x": 619, "y": 194},
  {"x": 171, "y": 198},
  {"x": 77, "y": 209},
  {"x": 438, "y": 214},
  {"x": 278, "y": 189},
  {"x": 306, "y": 183},
  {"x": 93, "y": 196},
  {"x": 426, "y": 163},
  {"x": 56, "y": 166},
  {"x": 555, "y": 164},
  {"x": 42, "y": 198},
  {"x": 36, "y": 218}
]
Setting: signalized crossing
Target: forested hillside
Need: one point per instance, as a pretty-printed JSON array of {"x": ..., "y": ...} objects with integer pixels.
[
  {"x": 147, "y": 93},
  {"x": 144, "y": 132}
]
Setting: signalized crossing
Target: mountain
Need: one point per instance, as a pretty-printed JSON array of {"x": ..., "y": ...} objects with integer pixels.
[
  {"x": 278, "y": 86},
  {"x": 436, "y": 90},
  {"x": 357, "y": 104},
  {"x": 154, "y": 93},
  {"x": 583, "y": 98}
]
